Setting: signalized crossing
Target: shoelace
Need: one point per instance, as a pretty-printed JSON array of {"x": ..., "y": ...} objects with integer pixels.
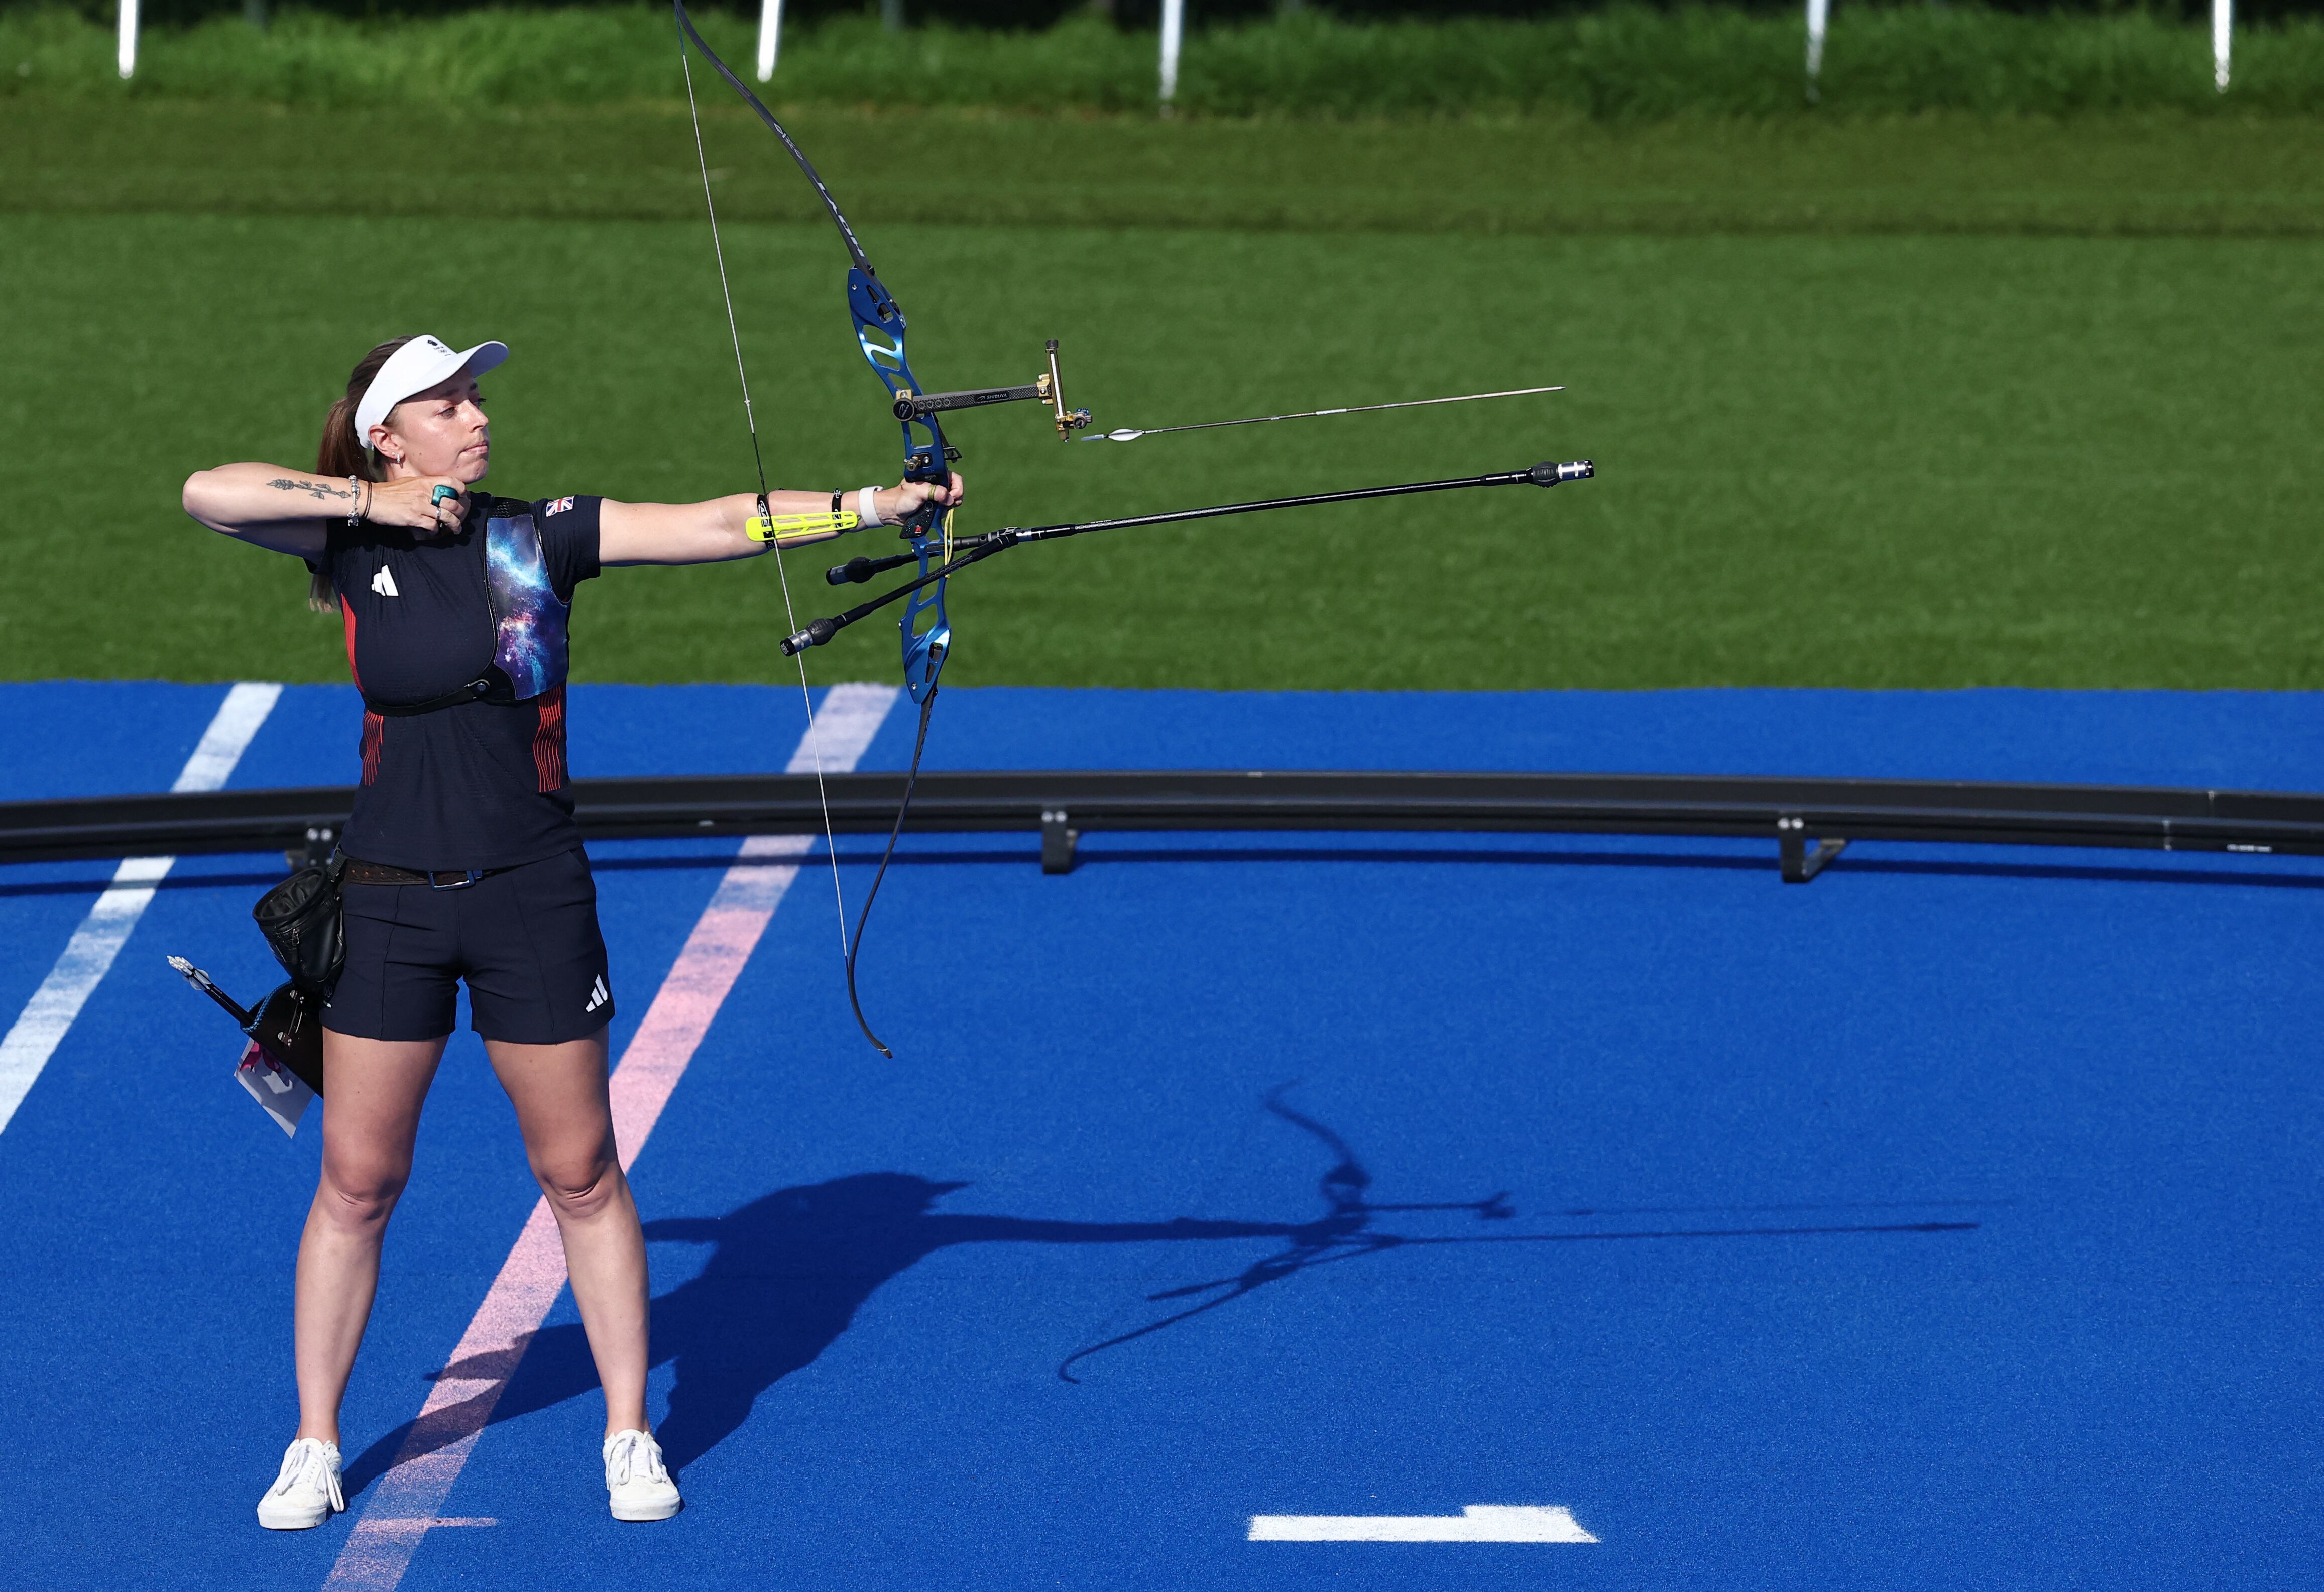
[
  {"x": 305, "y": 1455},
  {"x": 635, "y": 1456}
]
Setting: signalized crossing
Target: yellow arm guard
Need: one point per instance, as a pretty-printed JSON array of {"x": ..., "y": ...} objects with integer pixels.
[{"x": 799, "y": 529}]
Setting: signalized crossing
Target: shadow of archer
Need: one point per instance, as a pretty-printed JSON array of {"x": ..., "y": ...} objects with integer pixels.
[
  {"x": 786, "y": 1276},
  {"x": 787, "y": 1272}
]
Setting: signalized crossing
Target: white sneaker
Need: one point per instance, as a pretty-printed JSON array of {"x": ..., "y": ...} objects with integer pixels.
[
  {"x": 307, "y": 1493},
  {"x": 641, "y": 1488}
]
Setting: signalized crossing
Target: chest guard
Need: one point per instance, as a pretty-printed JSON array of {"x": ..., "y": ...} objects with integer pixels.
[{"x": 531, "y": 653}]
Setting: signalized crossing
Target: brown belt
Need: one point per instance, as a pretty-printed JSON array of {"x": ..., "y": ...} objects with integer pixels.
[{"x": 371, "y": 873}]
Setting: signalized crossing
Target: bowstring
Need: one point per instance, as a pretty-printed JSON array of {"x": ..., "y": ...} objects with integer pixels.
[{"x": 758, "y": 459}]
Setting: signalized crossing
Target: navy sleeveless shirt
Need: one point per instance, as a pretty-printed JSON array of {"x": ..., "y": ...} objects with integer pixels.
[{"x": 480, "y": 784}]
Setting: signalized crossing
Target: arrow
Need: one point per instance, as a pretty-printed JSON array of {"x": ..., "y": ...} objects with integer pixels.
[{"x": 1260, "y": 419}]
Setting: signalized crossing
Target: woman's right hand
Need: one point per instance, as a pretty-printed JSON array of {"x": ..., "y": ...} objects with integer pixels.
[{"x": 407, "y": 502}]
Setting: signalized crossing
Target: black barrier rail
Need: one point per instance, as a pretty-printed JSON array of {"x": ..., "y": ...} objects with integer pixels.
[{"x": 1810, "y": 819}]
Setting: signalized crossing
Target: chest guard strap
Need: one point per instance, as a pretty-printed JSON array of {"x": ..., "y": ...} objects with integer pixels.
[{"x": 491, "y": 686}]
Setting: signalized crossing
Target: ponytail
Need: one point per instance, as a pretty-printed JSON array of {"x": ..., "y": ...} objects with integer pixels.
[{"x": 341, "y": 455}]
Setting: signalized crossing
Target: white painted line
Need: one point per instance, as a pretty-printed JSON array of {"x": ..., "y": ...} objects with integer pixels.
[
  {"x": 89, "y": 954},
  {"x": 245, "y": 708},
  {"x": 1479, "y": 1522},
  {"x": 847, "y": 718},
  {"x": 402, "y": 1508}
]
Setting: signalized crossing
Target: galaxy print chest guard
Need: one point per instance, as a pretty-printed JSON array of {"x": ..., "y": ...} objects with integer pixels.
[{"x": 530, "y": 648}]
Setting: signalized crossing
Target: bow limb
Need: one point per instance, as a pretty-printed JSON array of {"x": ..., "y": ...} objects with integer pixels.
[
  {"x": 854, "y": 249},
  {"x": 880, "y": 328}
]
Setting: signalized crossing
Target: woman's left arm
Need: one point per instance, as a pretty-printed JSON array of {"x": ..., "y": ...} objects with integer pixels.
[{"x": 717, "y": 530}]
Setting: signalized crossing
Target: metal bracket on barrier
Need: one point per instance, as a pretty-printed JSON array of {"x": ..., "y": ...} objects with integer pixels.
[
  {"x": 1800, "y": 864},
  {"x": 321, "y": 839},
  {"x": 1056, "y": 841}
]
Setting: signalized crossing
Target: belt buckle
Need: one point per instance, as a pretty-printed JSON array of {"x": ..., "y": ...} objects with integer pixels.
[{"x": 473, "y": 875}]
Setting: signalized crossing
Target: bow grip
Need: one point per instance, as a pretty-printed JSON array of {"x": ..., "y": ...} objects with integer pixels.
[{"x": 920, "y": 522}]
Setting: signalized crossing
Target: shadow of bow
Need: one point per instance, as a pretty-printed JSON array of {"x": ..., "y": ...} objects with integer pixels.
[{"x": 1345, "y": 1232}]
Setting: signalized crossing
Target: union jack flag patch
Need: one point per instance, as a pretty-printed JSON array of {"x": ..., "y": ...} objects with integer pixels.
[{"x": 557, "y": 507}]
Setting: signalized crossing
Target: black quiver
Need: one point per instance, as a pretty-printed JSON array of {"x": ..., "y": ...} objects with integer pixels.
[
  {"x": 288, "y": 1025},
  {"x": 302, "y": 921}
]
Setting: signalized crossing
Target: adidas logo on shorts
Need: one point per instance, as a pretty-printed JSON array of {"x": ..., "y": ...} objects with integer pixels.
[{"x": 598, "y": 995}]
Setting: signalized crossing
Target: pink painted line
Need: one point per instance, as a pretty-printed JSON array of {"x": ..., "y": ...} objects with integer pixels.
[{"x": 403, "y": 1508}]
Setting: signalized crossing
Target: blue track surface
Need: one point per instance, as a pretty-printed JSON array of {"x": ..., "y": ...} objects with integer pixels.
[{"x": 1953, "y": 1222}]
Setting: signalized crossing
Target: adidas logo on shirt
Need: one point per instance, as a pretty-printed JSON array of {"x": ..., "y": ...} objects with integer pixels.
[
  {"x": 597, "y": 994},
  {"x": 384, "y": 582}
]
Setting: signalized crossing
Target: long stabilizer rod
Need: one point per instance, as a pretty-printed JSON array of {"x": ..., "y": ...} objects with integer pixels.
[
  {"x": 1262, "y": 420},
  {"x": 976, "y": 549}
]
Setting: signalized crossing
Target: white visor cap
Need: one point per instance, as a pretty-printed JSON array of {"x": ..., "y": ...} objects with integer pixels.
[{"x": 420, "y": 364}]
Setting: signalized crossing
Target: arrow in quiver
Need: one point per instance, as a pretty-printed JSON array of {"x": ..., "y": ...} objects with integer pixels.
[{"x": 281, "y": 1063}]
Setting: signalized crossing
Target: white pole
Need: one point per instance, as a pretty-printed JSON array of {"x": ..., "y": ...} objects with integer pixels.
[
  {"x": 127, "y": 60},
  {"x": 1819, "y": 13},
  {"x": 770, "y": 37},
  {"x": 1174, "y": 28},
  {"x": 2223, "y": 16}
]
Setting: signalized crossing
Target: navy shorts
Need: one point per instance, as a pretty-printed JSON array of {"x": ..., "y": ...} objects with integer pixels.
[{"x": 526, "y": 940}]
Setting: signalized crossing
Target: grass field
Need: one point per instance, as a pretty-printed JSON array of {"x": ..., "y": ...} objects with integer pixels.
[
  {"x": 1922, "y": 403},
  {"x": 2133, "y": 175}
]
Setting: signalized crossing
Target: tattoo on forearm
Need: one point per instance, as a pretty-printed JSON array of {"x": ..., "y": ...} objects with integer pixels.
[{"x": 313, "y": 488}]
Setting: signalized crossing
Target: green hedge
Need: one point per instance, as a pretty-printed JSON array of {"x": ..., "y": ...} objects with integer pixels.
[{"x": 1626, "y": 62}]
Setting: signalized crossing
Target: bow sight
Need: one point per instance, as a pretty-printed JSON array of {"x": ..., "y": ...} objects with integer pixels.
[{"x": 1046, "y": 388}]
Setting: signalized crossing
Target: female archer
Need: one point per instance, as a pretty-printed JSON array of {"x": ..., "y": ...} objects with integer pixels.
[{"x": 462, "y": 860}]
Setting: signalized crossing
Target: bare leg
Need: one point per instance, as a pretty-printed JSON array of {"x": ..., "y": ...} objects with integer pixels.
[
  {"x": 369, "y": 1122},
  {"x": 567, "y": 1121}
]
